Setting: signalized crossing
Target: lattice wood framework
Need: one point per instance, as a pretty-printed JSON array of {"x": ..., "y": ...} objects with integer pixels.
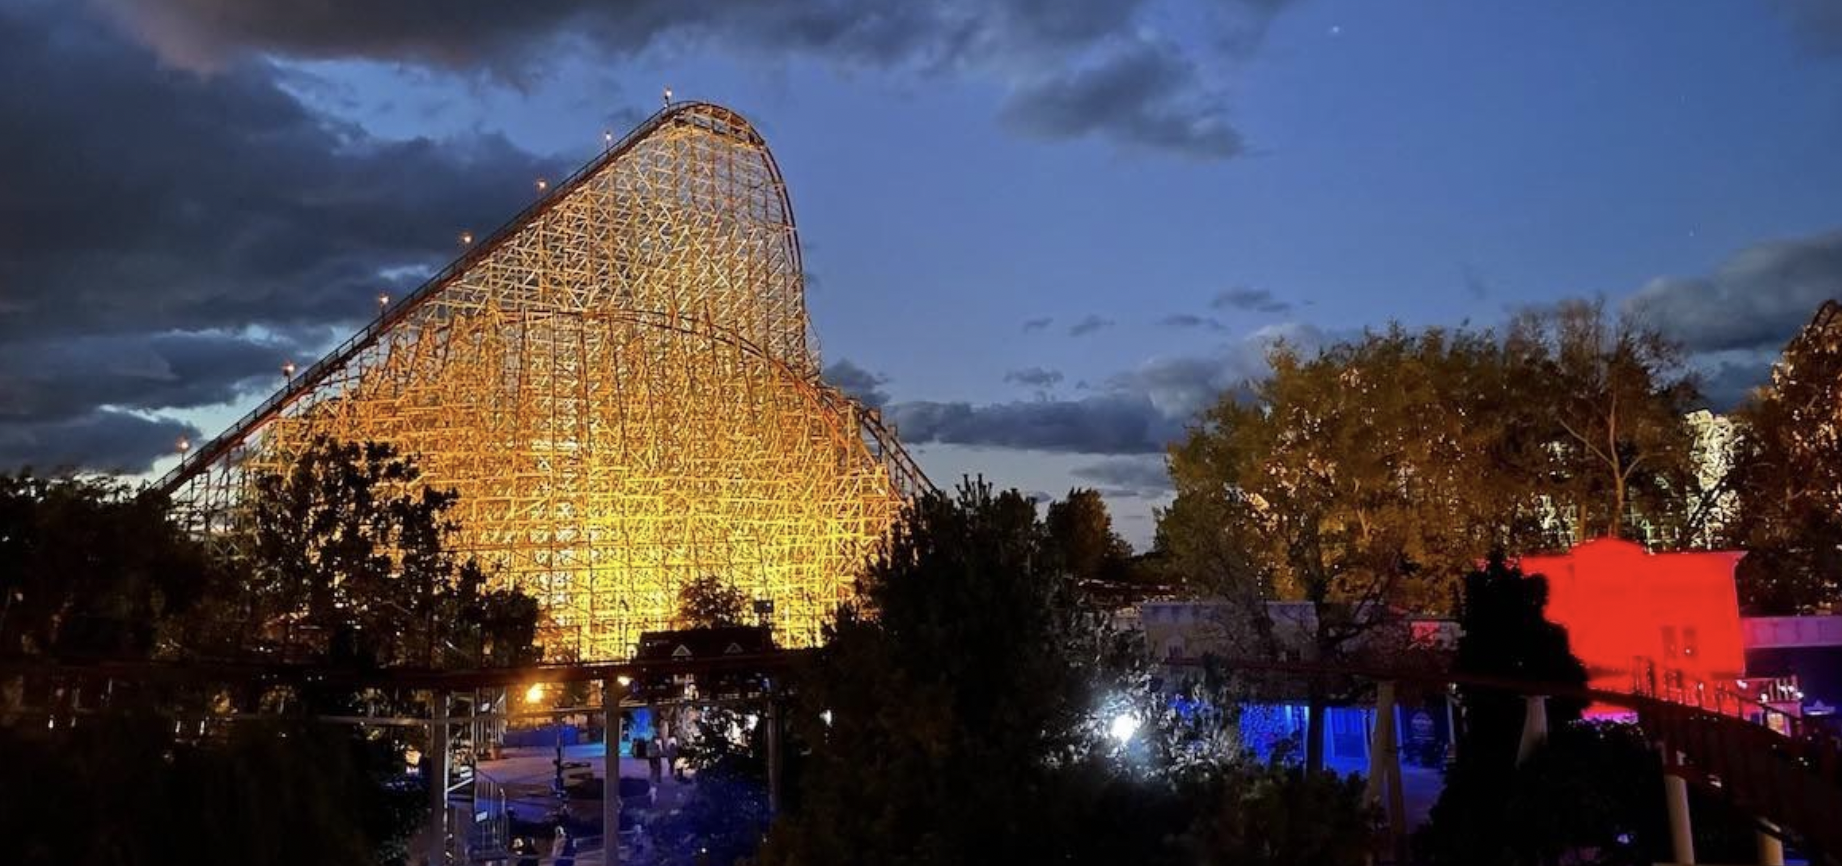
[{"x": 622, "y": 386}]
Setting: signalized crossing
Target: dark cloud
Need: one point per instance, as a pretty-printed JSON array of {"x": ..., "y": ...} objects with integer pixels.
[
  {"x": 513, "y": 39},
  {"x": 1727, "y": 382},
  {"x": 1756, "y": 300},
  {"x": 1034, "y": 377},
  {"x": 1037, "y": 324},
  {"x": 1817, "y": 24},
  {"x": 1089, "y": 325},
  {"x": 1107, "y": 424},
  {"x": 106, "y": 440},
  {"x": 1183, "y": 385},
  {"x": 857, "y": 382},
  {"x": 167, "y": 237},
  {"x": 1249, "y": 301},
  {"x": 1142, "y": 93},
  {"x": 1136, "y": 412},
  {"x": 55, "y": 380},
  {"x": 1144, "y": 477},
  {"x": 1068, "y": 67},
  {"x": 1189, "y": 320}
]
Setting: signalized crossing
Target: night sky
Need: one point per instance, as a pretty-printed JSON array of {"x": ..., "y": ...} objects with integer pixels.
[{"x": 1040, "y": 233}]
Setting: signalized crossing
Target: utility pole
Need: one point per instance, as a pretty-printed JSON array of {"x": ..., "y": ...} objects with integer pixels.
[
  {"x": 438, "y": 781},
  {"x": 611, "y": 689},
  {"x": 773, "y": 747}
]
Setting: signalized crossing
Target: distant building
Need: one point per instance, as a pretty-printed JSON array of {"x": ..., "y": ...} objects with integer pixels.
[
  {"x": 1801, "y": 656},
  {"x": 702, "y": 645}
]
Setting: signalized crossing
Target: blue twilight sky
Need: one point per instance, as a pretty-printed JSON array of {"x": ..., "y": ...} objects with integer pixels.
[{"x": 1041, "y": 234}]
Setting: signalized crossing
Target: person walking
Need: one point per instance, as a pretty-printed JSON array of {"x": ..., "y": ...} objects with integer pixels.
[
  {"x": 654, "y": 753},
  {"x": 563, "y": 849},
  {"x": 671, "y": 758}
]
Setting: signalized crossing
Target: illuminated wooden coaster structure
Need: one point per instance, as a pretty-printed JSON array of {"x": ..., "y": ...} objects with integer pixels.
[{"x": 622, "y": 386}]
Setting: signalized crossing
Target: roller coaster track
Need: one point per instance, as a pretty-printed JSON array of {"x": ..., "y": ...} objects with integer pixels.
[
  {"x": 196, "y": 460},
  {"x": 621, "y": 385}
]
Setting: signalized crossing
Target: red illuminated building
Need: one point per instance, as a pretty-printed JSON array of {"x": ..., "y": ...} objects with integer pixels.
[{"x": 1659, "y": 623}]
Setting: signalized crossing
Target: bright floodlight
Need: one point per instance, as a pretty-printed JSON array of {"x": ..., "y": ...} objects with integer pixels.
[
  {"x": 534, "y": 694},
  {"x": 1124, "y": 726}
]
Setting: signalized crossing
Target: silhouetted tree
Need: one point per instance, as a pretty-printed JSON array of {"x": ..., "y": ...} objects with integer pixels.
[
  {"x": 122, "y": 790},
  {"x": 1787, "y": 481},
  {"x": 710, "y": 601},
  {"x": 1505, "y": 634},
  {"x": 88, "y": 567},
  {"x": 350, "y": 560},
  {"x": 955, "y": 717},
  {"x": 1081, "y": 533}
]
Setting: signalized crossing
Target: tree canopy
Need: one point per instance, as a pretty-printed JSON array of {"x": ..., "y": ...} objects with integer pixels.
[
  {"x": 89, "y": 567},
  {"x": 1505, "y": 633},
  {"x": 342, "y": 559},
  {"x": 1366, "y": 476},
  {"x": 1787, "y": 481},
  {"x": 1081, "y": 532},
  {"x": 965, "y": 713},
  {"x": 967, "y": 681},
  {"x": 710, "y": 601},
  {"x": 1605, "y": 398},
  {"x": 349, "y": 560}
]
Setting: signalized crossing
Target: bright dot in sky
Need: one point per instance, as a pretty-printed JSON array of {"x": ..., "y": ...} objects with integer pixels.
[{"x": 1336, "y": 30}]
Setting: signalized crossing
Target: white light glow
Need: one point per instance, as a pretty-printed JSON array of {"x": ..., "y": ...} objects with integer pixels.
[{"x": 1124, "y": 726}]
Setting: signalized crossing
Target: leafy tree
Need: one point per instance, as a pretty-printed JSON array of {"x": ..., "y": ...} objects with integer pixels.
[
  {"x": 1507, "y": 635},
  {"x": 962, "y": 715},
  {"x": 1605, "y": 399},
  {"x": 351, "y": 562},
  {"x": 709, "y": 602},
  {"x": 1787, "y": 477},
  {"x": 95, "y": 570},
  {"x": 88, "y": 567},
  {"x": 1081, "y": 533},
  {"x": 1354, "y": 480},
  {"x": 1279, "y": 815},
  {"x": 968, "y": 684},
  {"x": 121, "y": 789}
]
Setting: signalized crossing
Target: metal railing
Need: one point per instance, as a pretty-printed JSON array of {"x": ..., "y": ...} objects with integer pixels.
[{"x": 1792, "y": 779}]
